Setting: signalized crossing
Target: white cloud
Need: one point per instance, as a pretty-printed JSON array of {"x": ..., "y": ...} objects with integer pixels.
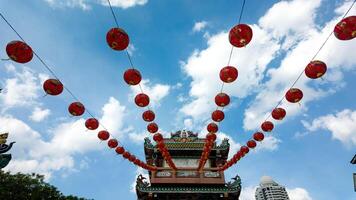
[
  {"x": 248, "y": 193},
  {"x": 269, "y": 143},
  {"x": 113, "y": 117},
  {"x": 156, "y": 92},
  {"x": 33, "y": 153},
  {"x": 203, "y": 67},
  {"x": 125, "y": 3},
  {"x": 22, "y": 89},
  {"x": 199, "y": 26},
  {"x": 338, "y": 56},
  {"x": 285, "y": 20},
  {"x": 342, "y": 126},
  {"x": 138, "y": 138},
  {"x": 39, "y": 114},
  {"x": 298, "y": 194},
  {"x": 85, "y": 4}
]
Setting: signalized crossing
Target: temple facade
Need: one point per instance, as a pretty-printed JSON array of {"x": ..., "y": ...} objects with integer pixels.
[
  {"x": 187, "y": 182},
  {"x": 4, "y": 158}
]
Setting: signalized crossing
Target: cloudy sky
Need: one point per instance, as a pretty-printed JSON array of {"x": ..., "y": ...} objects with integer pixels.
[{"x": 179, "y": 47}]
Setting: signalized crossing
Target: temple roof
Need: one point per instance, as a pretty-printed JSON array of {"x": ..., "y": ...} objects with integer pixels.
[
  {"x": 230, "y": 187},
  {"x": 181, "y": 140}
]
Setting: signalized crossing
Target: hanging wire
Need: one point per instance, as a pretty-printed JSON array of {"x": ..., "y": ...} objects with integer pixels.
[
  {"x": 55, "y": 76},
  {"x": 314, "y": 56},
  {"x": 127, "y": 52},
  {"x": 230, "y": 56}
]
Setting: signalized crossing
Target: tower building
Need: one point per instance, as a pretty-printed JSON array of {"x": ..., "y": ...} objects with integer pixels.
[{"x": 270, "y": 190}]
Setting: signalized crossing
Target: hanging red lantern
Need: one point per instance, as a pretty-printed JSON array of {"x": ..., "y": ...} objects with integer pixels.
[
  {"x": 267, "y": 126},
  {"x": 210, "y": 137},
  {"x": 240, "y": 35},
  {"x": 294, "y": 95},
  {"x": 120, "y": 150},
  {"x": 346, "y": 28},
  {"x": 112, "y": 143},
  {"x": 92, "y": 123},
  {"x": 142, "y": 100},
  {"x": 315, "y": 69},
  {"x": 251, "y": 144},
  {"x": 258, "y": 136},
  {"x": 148, "y": 116},
  {"x": 53, "y": 87},
  {"x": 222, "y": 99},
  {"x": 158, "y": 137},
  {"x": 152, "y": 127},
  {"x": 278, "y": 113},
  {"x": 126, "y": 155},
  {"x": 76, "y": 109},
  {"x": 240, "y": 154},
  {"x": 132, "y": 158},
  {"x": 19, "y": 51},
  {"x": 117, "y": 39},
  {"x": 136, "y": 161},
  {"x": 103, "y": 135},
  {"x": 228, "y": 74},
  {"x": 132, "y": 77},
  {"x": 212, "y": 128},
  {"x": 218, "y": 115},
  {"x": 244, "y": 149}
]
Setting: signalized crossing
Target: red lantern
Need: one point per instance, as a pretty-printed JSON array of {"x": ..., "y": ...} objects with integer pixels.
[
  {"x": 137, "y": 161},
  {"x": 158, "y": 137},
  {"x": 218, "y": 115},
  {"x": 53, "y": 87},
  {"x": 258, "y": 136},
  {"x": 267, "y": 126},
  {"x": 76, "y": 108},
  {"x": 103, "y": 135},
  {"x": 160, "y": 145},
  {"x": 126, "y": 155},
  {"x": 117, "y": 39},
  {"x": 142, "y": 100},
  {"x": 132, "y": 77},
  {"x": 315, "y": 69},
  {"x": 132, "y": 158},
  {"x": 244, "y": 149},
  {"x": 294, "y": 95},
  {"x": 152, "y": 127},
  {"x": 222, "y": 99},
  {"x": 212, "y": 128},
  {"x": 228, "y": 74},
  {"x": 148, "y": 116},
  {"x": 19, "y": 51},
  {"x": 92, "y": 123},
  {"x": 278, "y": 113},
  {"x": 346, "y": 28},
  {"x": 211, "y": 137},
  {"x": 240, "y": 35},
  {"x": 251, "y": 144},
  {"x": 112, "y": 143},
  {"x": 120, "y": 150}
]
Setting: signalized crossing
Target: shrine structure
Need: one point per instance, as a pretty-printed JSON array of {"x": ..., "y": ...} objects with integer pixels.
[{"x": 187, "y": 182}]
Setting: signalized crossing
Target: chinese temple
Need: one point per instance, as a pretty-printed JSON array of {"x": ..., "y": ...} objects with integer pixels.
[{"x": 187, "y": 181}]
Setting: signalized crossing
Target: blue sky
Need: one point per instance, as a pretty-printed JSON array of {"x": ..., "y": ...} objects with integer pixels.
[{"x": 308, "y": 152}]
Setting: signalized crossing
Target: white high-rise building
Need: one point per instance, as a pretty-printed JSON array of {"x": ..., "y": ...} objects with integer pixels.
[{"x": 270, "y": 190}]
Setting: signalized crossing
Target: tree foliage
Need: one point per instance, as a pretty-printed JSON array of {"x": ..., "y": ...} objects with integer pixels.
[{"x": 29, "y": 187}]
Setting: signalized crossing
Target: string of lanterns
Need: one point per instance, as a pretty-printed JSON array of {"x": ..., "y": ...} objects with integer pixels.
[
  {"x": 239, "y": 36},
  {"x": 119, "y": 40},
  {"x": 21, "y": 52},
  {"x": 344, "y": 30}
]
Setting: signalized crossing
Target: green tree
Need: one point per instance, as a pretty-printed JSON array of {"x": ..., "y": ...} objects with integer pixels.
[{"x": 29, "y": 187}]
